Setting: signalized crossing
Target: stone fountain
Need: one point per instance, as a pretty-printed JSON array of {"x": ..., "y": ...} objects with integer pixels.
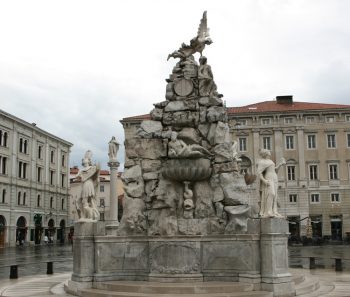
[{"x": 187, "y": 212}]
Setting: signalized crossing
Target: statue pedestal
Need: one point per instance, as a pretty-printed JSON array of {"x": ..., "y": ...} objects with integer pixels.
[
  {"x": 84, "y": 251},
  {"x": 275, "y": 276}
]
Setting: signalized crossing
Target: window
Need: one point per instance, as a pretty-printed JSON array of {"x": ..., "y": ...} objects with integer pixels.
[
  {"x": 52, "y": 175},
  {"x": 293, "y": 198},
  {"x": 289, "y": 142},
  {"x": 315, "y": 198},
  {"x": 330, "y": 119},
  {"x": 291, "y": 172},
  {"x": 22, "y": 169},
  {"x": 19, "y": 198},
  {"x": 23, "y": 145},
  {"x": 331, "y": 141},
  {"x": 267, "y": 143},
  {"x": 39, "y": 174},
  {"x": 242, "y": 122},
  {"x": 333, "y": 171},
  {"x": 40, "y": 151},
  {"x": 288, "y": 120},
  {"x": 3, "y": 138},
  {"x": 51, "y": 202},
  {"x": 102, "y": 188},
  {"x": 38, "y": 200},
  {"x": 310, "y": 120},
  {"x": 335, "y": 197},
  {"x": 3, "y": 197},
  {"x": 102, "y": 202},
  {"x": 347, "y": 118},
  {"x": 24, "y": 198},
  {"x": 348, "y": 138},
  {"x": 313, "y": 172},
  {"x": 3, "y": 165},
  {"x": 311, "y": 141},
  {"x": 62, "y": 204},
  {"x": 265, "y": 121},
  {"x": 63, "y": 180},
  {"x": 63, "y": 160},
  {"x": 242, "y": 144},
  {"x": 52, "y": 156}
]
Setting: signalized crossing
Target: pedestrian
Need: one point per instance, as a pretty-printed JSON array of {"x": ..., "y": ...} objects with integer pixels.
[{"x": 46, "y": 239}]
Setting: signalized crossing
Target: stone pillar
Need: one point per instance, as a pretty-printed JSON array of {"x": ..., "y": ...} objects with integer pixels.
[
  {"x": 83, "y": 257},
  {"x": 275, "y": 276},
  {"x": 113, "y": 222},
  {"x": 83, "y": 252}
]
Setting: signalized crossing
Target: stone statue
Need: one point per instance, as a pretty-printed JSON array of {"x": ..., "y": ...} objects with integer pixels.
[
  {"x": 207, "y": 86},
  {"x": 197, "y": 44},
  {"x": 179, "y": 149},
  {"x": 235, "y": 151},
  {"x": 267, "y": 173},
  {"x": 89, "y": 174},
  {"x": 113, "y": 147}
]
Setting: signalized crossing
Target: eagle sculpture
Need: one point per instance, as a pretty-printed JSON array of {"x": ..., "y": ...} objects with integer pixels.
[{"x": 197, "y": 44}]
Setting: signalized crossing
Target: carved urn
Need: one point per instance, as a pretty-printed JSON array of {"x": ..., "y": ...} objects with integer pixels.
[{"x": 187, "y": 169}]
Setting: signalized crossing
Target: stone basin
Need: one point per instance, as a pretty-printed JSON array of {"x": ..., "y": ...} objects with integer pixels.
[{"x": 187, "y": 169}]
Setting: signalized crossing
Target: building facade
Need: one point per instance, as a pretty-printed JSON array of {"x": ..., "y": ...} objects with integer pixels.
[
  {"x": 103, "y": 194},
  {"x": 314, "y": 138},
  {"x": 34, "y": 182}
]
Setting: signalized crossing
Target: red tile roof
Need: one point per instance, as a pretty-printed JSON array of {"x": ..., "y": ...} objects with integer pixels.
[
  {"x": 138, "y": 117},
  {"x": 273, "y": 106},
  {"x": 266, "y": 106}
]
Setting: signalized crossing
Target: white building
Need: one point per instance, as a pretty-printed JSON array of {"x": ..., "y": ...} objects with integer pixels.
[{"x": 34, "y": 182}]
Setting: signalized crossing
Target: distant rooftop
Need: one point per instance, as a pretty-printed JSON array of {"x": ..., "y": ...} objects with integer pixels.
[{"x": 281, "y": 104}]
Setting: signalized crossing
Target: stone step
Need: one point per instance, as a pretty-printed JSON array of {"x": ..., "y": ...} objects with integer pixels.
[
  {"x": 309, "y": 285},
  {"x": 324, "y": 289},
  {"x": 298, "y": 279},
  {"x": 105, "y": 293},
  {"x": 173, "y": 288}
]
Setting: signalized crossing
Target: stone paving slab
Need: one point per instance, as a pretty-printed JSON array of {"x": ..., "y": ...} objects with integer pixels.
[{"x": 49, "y": 286}]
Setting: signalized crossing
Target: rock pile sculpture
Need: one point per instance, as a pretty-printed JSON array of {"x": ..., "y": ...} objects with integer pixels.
[{"x": 182, "y": 175}]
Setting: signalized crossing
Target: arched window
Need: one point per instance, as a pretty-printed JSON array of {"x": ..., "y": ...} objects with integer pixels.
[
  {"x": 5, "y": 139},
  {"x": 21, "y": 145},
  {"x": 19, "y": 198},
  {"x": 51, "y": 202},
  {"x": 3, "y": 199},
  {"x": 0, "y": 137},
  {"x": 62, "y": 203},
  {"x": 24, "y": 198},
  {"x": 52, "y": 157},
  {"x": 25, "y": 146},
  {"x": 38, "y": 202},
  {"x": 40, "y": 151},
  {"x": 63, "y": 160}
]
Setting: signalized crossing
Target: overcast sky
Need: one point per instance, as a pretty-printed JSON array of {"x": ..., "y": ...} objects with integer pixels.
[{"x": 76, "y": 68}]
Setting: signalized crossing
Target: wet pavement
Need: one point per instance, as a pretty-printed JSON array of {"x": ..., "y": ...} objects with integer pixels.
[
  {"x": 324, "y": 256},
  {"x": 31, "y": 260}
]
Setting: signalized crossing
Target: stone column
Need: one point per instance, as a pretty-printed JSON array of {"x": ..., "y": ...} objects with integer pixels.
[
  {"x": 275, "y": 276},
  {"x": 113, "y": 222}
]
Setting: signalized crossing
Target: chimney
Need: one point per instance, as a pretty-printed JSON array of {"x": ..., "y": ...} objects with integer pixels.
[{"x": 285, "y": 99}]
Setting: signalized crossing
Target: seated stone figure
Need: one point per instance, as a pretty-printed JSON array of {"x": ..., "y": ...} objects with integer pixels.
[{"x": 177, "y": 148}]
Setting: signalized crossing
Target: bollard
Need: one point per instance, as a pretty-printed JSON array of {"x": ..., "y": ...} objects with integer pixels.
[
  {"x": 49, "y": 269},
  {"x": 13, "y": 271},
  {"x": 312, "y": 263},
  {"x": 338, "y": 265}
]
